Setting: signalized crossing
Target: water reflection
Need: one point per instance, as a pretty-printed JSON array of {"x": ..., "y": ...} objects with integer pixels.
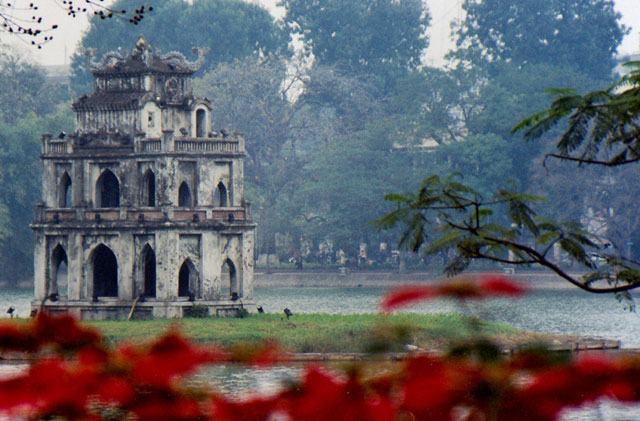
[{"x": 235, "y": 380}]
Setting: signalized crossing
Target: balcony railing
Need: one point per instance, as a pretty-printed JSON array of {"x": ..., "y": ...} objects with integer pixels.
[
  {"x": 199, "y": 145},
  {"x": 56, "y": 146},
  {"x": 73, "y": 215},
  {"x": 216, "y": 145}
]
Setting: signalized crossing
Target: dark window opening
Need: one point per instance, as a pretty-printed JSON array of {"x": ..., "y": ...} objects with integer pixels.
[
  {"x": 59, "y": 274},
  {"x": 201, "y": 123},
  {"x": 108, "y": 190},
  {"x": 105, "y": 272},
  {"x": 149, "y": 189},
  {"x": 149, "y": 259},
  {"x": 187, "y": 279},
  {"x": 220, "y": 197},
  {"x": 184, "y": 196},
  {"x": 229, "y": 277},
  {"x": 65, "y": 191}
]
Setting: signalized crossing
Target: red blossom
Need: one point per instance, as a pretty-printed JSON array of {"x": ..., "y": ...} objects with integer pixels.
[
  {"x": 17, "y": 338},
  {"x": 462, "y": 287},
  {"x": 251, "y": 409},
  {"x": 169, "y": 357},
  {"x": 404, "y": 296},
  {"x": 63, "y": 331},
  {"x": 167, "y": 408},
  {"x": 495, "y": 284},
  {"x": 323, "y": 397}
]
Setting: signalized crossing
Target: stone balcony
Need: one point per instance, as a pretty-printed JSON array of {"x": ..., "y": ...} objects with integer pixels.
[
  {"x": 69, "y": 216},
  {"x": 169, "y": 143}
]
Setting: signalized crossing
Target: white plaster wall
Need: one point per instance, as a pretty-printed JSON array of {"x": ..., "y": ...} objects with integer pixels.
[{"x": 153, "y": 128}]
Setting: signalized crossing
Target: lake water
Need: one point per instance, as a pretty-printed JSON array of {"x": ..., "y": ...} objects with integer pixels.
[{"x": 571, "y": 311}]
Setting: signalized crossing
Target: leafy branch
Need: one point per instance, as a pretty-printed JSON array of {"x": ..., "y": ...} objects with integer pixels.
[
  {"x": 449, "y": 216},
  {"x": 27, "y": 22},
  {"x": 602, "y": 126}
]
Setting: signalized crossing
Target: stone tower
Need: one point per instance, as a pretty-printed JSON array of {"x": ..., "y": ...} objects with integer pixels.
[{"x": 143, "y": 209}]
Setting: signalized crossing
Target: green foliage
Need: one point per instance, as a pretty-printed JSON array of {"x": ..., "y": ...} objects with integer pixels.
[
  {"x": 381, "y": 37},
  {"x": 581, "y": 34},
  {"x": 602, "y": 126},
  {"x": 446, "y": 215},
  {"x": 20, "y": 187},
  {"x": 24, "y": 89},
  {"x": 229, "y": 29}
]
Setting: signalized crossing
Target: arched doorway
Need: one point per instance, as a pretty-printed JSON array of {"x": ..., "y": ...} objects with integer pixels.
[
  {"x": 220, "y": 196},
  {"x": 230, "y": 278},
  {"x": 184, "y": 195},
  {"x": 58, "y": 283},
  {"x": 107, "y": 190},
  {"x": 149, "y": 268},
  {"x": 187, "y": 279},
  {"x": 201, "y": 123},
  {"x": 149, "y": 189},
  {"x": 105, "y": 272},
  {"x": 64, "y": 191}
]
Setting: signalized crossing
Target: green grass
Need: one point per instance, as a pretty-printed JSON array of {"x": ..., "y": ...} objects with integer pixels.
[{"x": 313, "y": 332}]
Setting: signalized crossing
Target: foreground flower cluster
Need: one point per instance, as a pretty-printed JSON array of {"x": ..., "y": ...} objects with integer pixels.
[{"x": 73, "y": 375}]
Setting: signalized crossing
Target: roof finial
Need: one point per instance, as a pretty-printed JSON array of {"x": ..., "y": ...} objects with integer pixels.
[{"x": 141, "y": 45}]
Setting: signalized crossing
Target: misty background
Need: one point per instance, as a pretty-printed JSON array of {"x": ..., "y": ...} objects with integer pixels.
[{"x": 341, "y": 102}]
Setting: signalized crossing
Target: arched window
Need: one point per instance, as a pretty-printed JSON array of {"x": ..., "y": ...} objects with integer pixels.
[
  {"x": 201, "y": 123},
  {"x": 107, "y": 190},
  {"x": 149, "y": 267},
  {"x": 59, "y": 277},
  {"x": 149, "y": 189},
  {"x": 64, "y": 191},
  {"x": 105, "y": 272},
  {"x": 228, "y": 275},
  {"x": 187, "y": 279},
  {"x": 184, "y": 195},
  {"x": 220, "y": 196}
]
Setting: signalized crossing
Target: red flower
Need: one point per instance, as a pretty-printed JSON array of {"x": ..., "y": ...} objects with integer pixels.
[
  {"x": 169, "y": 357},
  {"x": 17, "y": 338},
  {"x": 462, "y": 287},
  {"x": 169, "y": 408},
  {"x": 494, "y": 284},
  {"x": 404, "y": 296},
  {"x": 63, "y": 332},
  {"x": 253, "y": 409},
  {"x": 322, "y": 397}
]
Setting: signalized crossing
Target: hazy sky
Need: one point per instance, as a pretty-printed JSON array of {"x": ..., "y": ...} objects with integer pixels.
[{"x": 66, "y": 37}]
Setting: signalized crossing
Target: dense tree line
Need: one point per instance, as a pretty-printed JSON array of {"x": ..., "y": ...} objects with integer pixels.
[{"x": 354, "y": 114}]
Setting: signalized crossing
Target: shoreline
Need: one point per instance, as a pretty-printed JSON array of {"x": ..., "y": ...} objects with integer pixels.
[{"x": 532, "y": 280}]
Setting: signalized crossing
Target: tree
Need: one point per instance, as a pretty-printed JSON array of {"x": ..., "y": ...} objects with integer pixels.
[
  {"x": 446, "y": 214},
  {"x": 26, "y": 20},
  {"x": 382, "y": 37},
  {"x": 582, "y": 34},
  {"x": 25, "y": 89},
  {"x": 338, "y": 196},
  {"x": 251, "y": 95},
  {"x": 229, "y": 29},
  {"x": 19, "y": 189}
]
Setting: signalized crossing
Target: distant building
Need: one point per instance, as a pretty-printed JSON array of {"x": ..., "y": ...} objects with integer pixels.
[
  {"x": 143, "y": 210},
  {"x": 58, "y": 74}
]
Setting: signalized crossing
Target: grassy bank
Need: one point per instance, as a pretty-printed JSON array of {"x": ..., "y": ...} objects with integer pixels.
[{"x": 315, "y": 332}]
